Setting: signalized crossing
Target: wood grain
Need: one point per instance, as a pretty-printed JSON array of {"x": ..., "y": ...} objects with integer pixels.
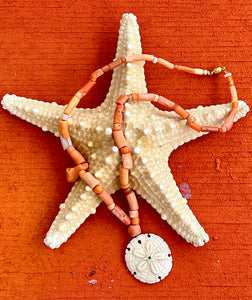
[{"x": 48, "y": 49}]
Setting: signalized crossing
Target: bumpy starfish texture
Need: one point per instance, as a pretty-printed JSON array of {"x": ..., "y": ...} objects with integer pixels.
[{"x": 151, "y": 134}]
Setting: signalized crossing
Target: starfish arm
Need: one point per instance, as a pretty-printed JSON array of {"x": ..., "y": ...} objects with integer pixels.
[
  {"x": 78, "y": 206},
  {"x": 157, "y": 186},
  {"x": 167, "y": 129},
  {"x": 42, "y": 114}
]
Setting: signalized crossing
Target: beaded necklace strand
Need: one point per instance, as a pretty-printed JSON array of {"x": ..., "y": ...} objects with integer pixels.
[{"x": 80, "y": 170}]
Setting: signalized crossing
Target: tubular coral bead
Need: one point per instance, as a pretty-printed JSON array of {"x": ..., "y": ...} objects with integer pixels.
[
  {"x": 125, "y": 150},
  {"x": 133, "y": 214},
  {"x": 184, "y": 69},
  {"x": 117, "y": 126},
  {"x": 132, "y": 200},
  {"x": 146, "y": 97},
  {"x": 195, "y": 126},
  {"x": 134, "y": 96},
  {"x": 87, "y": 87},
  {"x": 119, "y": 138},
  {"x": 96, "y": 74},
  {"x": 122, "y": 99},
  {"x": 135, "y": 221},
  {"x": 230, "y": 80},
  {"x": 75, "y": 155},
  {"x": 209, "y": 129},
  {"x": 121, "y": 215},
  {"x": 118, "y": 116},
  {"x": 89, "y": 179},
  {"x": 124, "y": 175},
  {"x": 98, "y": 189},
  {"x": 72, "y": 104},
  {"x": 165, "y": 102},
  {"x": 165, "y": 63},
  {"x": 116, "y": 63},
  {"x": 190, "y": 119},
  {"x": 106, "y": 198},
  {"x": 181, "y": 112},
  {"x": 134, "y": 230},
  {"x": 127, "y": 160},
  {"x": 227, "y": 125},
  {"x": 64, "y": 129},
  {"x": 233, "y": 93},
  {"x": 72, "y": 174},
  {"x": 139, "y": 57}
]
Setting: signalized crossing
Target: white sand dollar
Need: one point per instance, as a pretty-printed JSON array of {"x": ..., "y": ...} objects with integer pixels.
[{"x": 148, "y": 258}]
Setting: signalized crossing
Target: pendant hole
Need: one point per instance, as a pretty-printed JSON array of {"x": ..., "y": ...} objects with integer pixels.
[
  {"x": 148, "y": 235},
  {"x": 169, "y": 255},
  {"x": 139, "y": 242},
  {"x": 159, "y": 277},
  {"x": 128, "y": 249},
  {"x": 134, "y": 273}
]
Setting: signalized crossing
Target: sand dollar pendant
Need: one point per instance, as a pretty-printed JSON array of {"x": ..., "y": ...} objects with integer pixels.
[{"x": 148, "y": 258}]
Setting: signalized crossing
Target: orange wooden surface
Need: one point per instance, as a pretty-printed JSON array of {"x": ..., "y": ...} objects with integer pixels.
[{"x": 47, "y": 51}]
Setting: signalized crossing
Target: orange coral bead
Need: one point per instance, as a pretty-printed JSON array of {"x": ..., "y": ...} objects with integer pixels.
[
  {"x": 98, "y": 189},
  {"x": 132, "y": 200},
  {"x": 122, "y": 99},
  {"x": 106, "y": 198},
  {"x": 64, "y": 129},
  {"x": 134, "y": 230},
  {"x": 127, "y": 160},
  {"x": 121, "y": 215},
  {"x": 73, "y": 103},
  {"x": 124, "y": 175},
  {"x": 119, "y": 138},
  {"x": 87, "y": 87},
  {"x": 135, "y": 221},
  {"x": 75, "y": 155}
]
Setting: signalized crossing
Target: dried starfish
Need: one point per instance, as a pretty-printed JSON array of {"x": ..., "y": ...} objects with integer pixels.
[{"x": 153, "y": 134}]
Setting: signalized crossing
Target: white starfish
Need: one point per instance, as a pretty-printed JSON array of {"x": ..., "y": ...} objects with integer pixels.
[{"x": 152, "y": 135}]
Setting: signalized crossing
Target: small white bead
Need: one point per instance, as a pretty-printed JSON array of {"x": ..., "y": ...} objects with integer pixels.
[
  {"x": 35, "y": 111},
  {"x": 26, "y": 108},
  {"x": 172, "y": 125},
  {"x": 167, "y": 196},
  {"x": 182, "y": 217},
  {"x": 67, "y": 217},
  {"x": 83, "y": 196},
  {"x": 128, "y": 78},
  {"x": 155, "y": 60},
  {"x": 152, "y": 175},
  {"x": 137, "y": 150},
  {"x": 216, "y": 111},
  {"x": 173, "y": 205},
  {"x": 88, "y": 188},
  {"x": 98, "y": 128},
  {"x": 115, "y": 149},
  {"x": 127, "y": 113},
  {"x": 161, "y": 187},
  {"x": 129, "y": 65},
  {"x": 157, "y": 129},
  {"x": 107, "y": 160},
  {"x": 57, "y": 117},
  {"x": 81, "y": 123},
  {"x": 129, "y": 46},
  {"x": 126, "y": 104},
  {"x": 144, "y": 160},
  {"x": 96, "y": 174},
  {"x": 74, "y": 208},
  {"x": 44, "y": 128},
  {"x": 93, "y": 156},
  {"x": 90, "y": 144},
  {"x": 108, "y": 131},
  {"x": 146, "y": 131}
]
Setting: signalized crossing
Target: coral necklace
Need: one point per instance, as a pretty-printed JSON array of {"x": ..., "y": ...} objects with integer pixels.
[{"x": 80, "y": 170}]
